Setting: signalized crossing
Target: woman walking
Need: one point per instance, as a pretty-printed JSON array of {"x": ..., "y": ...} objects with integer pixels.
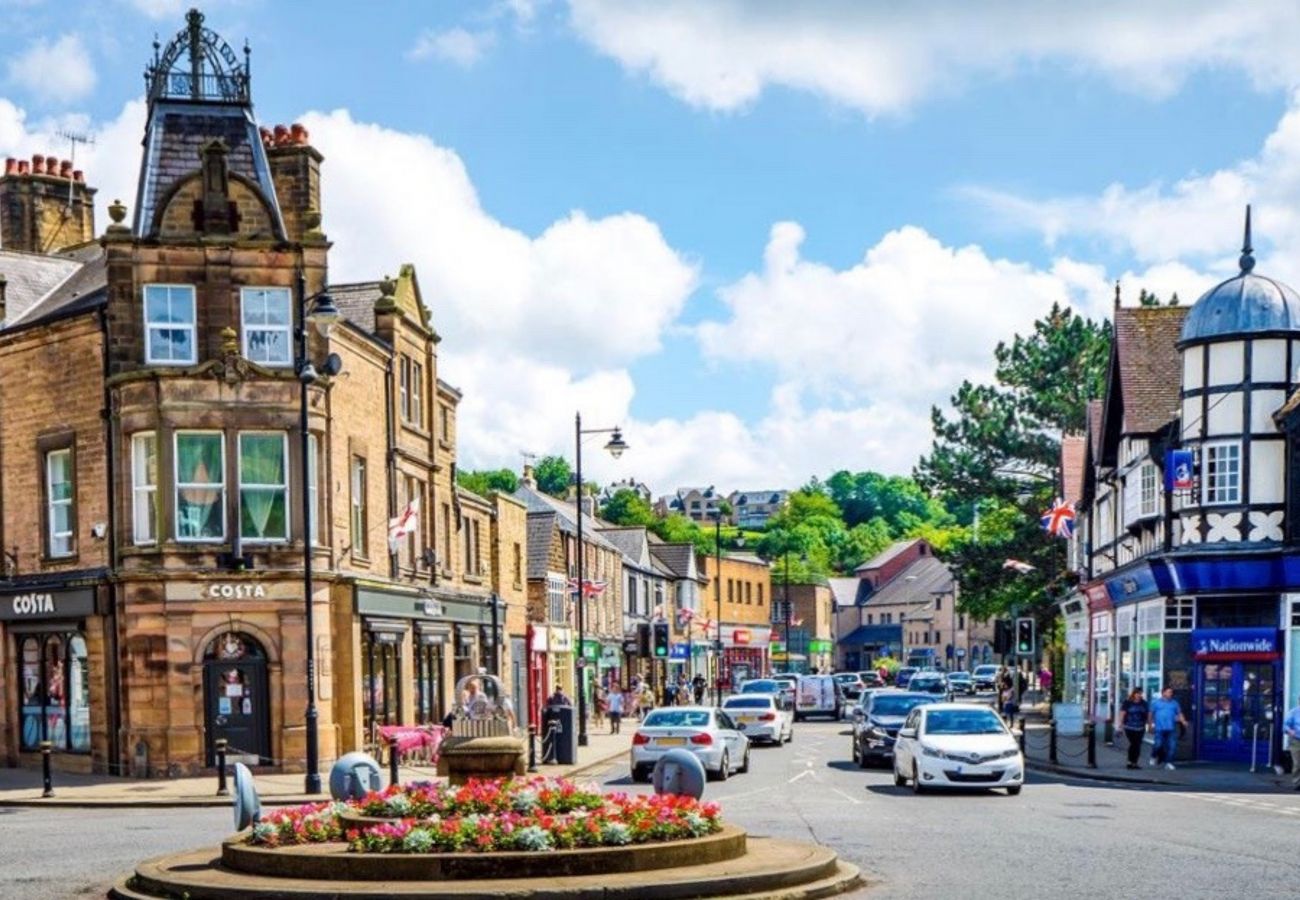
[{"x": 1133, "y": 718}]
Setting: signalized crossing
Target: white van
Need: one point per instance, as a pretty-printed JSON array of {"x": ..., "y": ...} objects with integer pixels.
[{"x": 817, "y": 695}]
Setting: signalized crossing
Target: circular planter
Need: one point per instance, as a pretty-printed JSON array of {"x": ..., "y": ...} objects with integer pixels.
[{"x": 333, "y": 861}]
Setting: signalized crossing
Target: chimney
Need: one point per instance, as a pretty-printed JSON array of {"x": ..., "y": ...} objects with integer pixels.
[
  {"x": 529, "y": 479},
  {"x": 45, "y": 206},
  {"x": 295, "y": 172}
]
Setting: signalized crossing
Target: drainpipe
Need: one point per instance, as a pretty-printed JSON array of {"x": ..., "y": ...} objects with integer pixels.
[{"x": 111, "y": 656}]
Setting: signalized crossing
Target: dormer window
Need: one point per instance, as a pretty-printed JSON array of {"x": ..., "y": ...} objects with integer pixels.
[
  {"x": 169, "y": 325},
  {"x": 267, "y": 325},
  {"x": 1221, "y": 473}
]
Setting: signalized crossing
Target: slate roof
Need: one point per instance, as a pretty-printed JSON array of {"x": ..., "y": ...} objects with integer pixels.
[
  {"x": 540, "y": 526},
  {"x": 1094, "y": 428},
  {"x": 1073, "y": 447},
  {"x": 846, "y": 590},
  {"x": 674, "y": 557},
  {"x": 931, "y": 576},
  {"x": 885, "y": 555},
  {"x": 1146, "y": 344},
  {"x": 357, "y": 303},
  {"x": 566, "y": 515},
  {"x": 177, "y": 131},
  {"x": 38, "y": 286}
]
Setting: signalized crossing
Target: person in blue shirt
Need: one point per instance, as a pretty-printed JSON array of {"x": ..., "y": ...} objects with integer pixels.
[
  {"x": 1166, "y": 716},
  {"x": 1134, "y": 714},
  {"x": 1291, "y": 728}
]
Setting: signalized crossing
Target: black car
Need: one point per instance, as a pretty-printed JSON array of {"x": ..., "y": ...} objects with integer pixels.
[{"x": 876, "y": 721}]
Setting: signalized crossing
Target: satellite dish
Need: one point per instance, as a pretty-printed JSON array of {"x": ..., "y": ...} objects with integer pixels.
[
  {"x": 248, "y": 808},
  {"x": 353, "y": 776},
  {"x": 679, "y": 772}
]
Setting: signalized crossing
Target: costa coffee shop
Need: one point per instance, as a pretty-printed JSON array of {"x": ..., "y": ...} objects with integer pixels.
[{"x": 53, "y": 679}]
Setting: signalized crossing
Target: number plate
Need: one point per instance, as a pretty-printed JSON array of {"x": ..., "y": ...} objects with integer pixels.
[
  {"x": 747, "y": 719},
  {"x": 670, "y": 742}
]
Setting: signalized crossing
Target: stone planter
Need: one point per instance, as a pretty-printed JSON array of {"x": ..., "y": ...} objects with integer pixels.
[{"x": 463, "y": 758}]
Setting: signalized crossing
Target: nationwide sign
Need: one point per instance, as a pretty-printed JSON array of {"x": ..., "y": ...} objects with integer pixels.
[{"x": 1235, "y": 644}]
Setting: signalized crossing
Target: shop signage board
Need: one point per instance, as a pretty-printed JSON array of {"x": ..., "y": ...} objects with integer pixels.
[
  {"x": 1135, "y": 584},
  {"x": 1235, "y": 644},
  {"x": 677, "y": 651},
  {"x": 819, "y": 646},
  {"x": 47, "y": 604}
]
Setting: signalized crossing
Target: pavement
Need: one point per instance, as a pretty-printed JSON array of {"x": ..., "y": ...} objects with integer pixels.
[{"x": 23, "y": 787}]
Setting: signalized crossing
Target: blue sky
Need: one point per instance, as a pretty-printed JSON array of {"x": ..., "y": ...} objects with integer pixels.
[{"x": 765, "y": 237}]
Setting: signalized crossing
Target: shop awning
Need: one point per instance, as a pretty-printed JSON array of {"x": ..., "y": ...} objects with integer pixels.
[{"x": 789, "y": 657}]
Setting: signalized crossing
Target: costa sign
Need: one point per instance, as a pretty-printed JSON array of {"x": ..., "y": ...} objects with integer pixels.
[{"x": 47, "y": 604}]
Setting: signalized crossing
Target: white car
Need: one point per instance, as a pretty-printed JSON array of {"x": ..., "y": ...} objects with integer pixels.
[
  {"x": 707, "y": 732},
  {"x": 762, "y": 716},
  {"x": 956, "y": 745}
]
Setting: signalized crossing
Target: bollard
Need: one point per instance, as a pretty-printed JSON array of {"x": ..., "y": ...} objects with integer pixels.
[
  {"x": 1254, "y": 747},
  {"x": 532, "y": 748},
  {"x": 221, "y": 745},
  {"x": 1022, "y": 734},
  {"x": 46, "y": 748},
  {"x": 1051, "y": 741},
  {"x": 392, "y": 760},
  {"x": 1090, "y": 731},
  {"x": 1110, "y": 733}
]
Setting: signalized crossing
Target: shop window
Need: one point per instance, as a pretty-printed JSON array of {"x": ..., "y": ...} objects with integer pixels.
[
  {"x": 144, "y": 488},
  {"x": 263, "y": 487},
  {"x": 1180, "y": 613},
  {"x": 428, "y": 683},
  {"x": 59, "y": 530},
  {"x": 55, "y": 695},
  {"x": 200, "y": 486},
  {"x": 359, "y": 518},
  {"x": 381, "y": 667},
  {"x": 1222, "y": 472},
  {"x": 169, "y": 325},
  {"x": 267, "y": 322}
]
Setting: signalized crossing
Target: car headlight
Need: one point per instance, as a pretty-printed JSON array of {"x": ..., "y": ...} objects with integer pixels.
[
  {"x": 877, "y": 732},
  {"x": 1008, "y": 754},
  {"x": 927, "y": 750}
]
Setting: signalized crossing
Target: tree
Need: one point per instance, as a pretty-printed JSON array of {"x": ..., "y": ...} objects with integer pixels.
[
  {"x": 484, "y": 481},
  {"x": 676, "y": 529},
  {"x": 554, "y": 475},
  {"x": 627, "y": 507}
]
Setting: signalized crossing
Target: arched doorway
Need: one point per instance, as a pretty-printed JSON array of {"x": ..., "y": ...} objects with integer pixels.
[{"x": 236, "y": 699}]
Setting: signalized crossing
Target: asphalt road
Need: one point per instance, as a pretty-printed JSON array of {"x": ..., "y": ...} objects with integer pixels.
[{"x": 1057, "y": 839}]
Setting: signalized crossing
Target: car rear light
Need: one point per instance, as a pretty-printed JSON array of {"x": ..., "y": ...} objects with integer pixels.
[
  {"x": 703, "y": 740},
  {"x": 767, "y": 717},
  {"x": 639, "y": 739}
]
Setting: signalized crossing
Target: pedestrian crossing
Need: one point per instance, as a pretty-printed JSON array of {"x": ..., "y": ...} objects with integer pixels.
[{"x": 1267, "y": 803}]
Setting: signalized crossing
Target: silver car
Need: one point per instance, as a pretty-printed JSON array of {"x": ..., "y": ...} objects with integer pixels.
[{"x": 708, "y": 732}]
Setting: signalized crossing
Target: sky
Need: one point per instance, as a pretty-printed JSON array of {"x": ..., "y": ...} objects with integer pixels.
[{"x": 763, "y": 237}]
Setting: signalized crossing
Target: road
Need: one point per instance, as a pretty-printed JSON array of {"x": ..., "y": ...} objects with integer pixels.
[{"x": 1057, "y": 839}]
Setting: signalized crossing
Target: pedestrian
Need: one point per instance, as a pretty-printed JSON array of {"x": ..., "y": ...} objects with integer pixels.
[
  {"x": 1134, "y": 713},
  {"x": 559, "y": 698},
  {"x": 1291, "y": 728},
  {"x": 615, "y": 702},
  {"x": 699, "y": 684},
  {"x": 670, "y": 692},
  {"x": 883, "y": 672},
  {"x": 647, "y": 701},
  {"x": 1009, "y": 706},
  {"x": 1045, "y": 682},
  {"x": 1166, "y": 716}
]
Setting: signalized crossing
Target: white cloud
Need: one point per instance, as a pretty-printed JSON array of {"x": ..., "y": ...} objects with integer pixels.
[
  {"x": 56, "y": 71},
  {"x": 882, "y": 57},
  {"x": 455, "y": 45}
]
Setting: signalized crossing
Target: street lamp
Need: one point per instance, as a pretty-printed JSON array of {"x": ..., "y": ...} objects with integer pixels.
[
  {"x": 616, "y": 445},
  {"x": 717, "y": 594},
  {"x": 323, "y": 314}
]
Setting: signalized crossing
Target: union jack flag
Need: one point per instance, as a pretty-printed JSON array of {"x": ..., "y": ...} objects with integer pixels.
[
  {"x": 1059, "y": 520},
  {"x": 589, "y": 588}
]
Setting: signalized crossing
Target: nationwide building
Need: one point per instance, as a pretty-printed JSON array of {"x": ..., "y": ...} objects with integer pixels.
[{"x": 171, "y": 458}]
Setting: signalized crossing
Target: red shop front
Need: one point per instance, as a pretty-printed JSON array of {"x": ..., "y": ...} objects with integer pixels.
[{"x": 744, "y": 653}]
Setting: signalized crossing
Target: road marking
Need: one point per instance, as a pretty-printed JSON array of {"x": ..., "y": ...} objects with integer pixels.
[
  {"x": 800, "y": 775},
  {"x": 854, "y": 800}
]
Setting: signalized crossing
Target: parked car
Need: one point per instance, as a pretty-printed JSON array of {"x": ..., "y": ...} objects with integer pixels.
[
  {"x": 957, "y": 745},
  {"x": 871, "y": 679},
  {"x": 876, "y": 720},
  {"x": 927, "y": 682},
  {"x": 818, "y": 695},
  {"x": 789, "y": 684},
  {"x": 985, "y": 677},
  {"x": 761, "y": 686},
  {"x": 707, "y": 732},
  {"x": 904, "y": 675},
  {"x": 763, "y": 717},
  {"x": 850, "y": 684},
  {"x": 960, "y": 682}
]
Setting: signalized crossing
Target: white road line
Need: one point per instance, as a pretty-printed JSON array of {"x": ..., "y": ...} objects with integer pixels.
[
  {"x": 800, "y": 775},
  {"x": 854, "y": 800}
]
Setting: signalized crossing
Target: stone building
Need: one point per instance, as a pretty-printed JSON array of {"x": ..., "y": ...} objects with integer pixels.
[
  {"x": 738, "y": 600},
  {"x": 155, "y": 479}
]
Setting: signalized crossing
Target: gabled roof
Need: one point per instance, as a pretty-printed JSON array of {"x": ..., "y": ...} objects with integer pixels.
[
  {"x": 846, "y": 590},
  {"x": 677, "y": 558},
  {"x": 631, "y": 542},
  {"x": 38, "y": 285},
  {"x": 1143, "y": 385},
  {"x": 918, "y": 582},
  {"x": 885, "y": 555},
  {"x": 357, "y": 302},
  {"x": 565, "y": 515},
  {"x": 540, "y": 527}
]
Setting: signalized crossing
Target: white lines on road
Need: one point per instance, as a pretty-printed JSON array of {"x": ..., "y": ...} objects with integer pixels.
[
  {"x": 1244, "y": 802},
  {"x": 802, "y": 774},
  {"x": 854, "y": 800}
]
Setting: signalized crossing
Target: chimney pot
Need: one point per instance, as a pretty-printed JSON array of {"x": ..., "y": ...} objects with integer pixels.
[
  {"x": 267, "y": 138},
  {"x": 23, "y": 166},
  {"x": 281, "y": 135},
  {"x": 299, "y": 133},
  {"x": 11, "y": 165},
  {"x": 38, "y": 164},
  {"x": 65, "y": 169},
  {"x": 51, "y": 166},
  {"x": 78, "y": 176}
]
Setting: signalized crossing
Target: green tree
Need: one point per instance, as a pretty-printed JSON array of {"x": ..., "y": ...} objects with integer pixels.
[
  {"x": 627, "y": 507},
  {"x": 554, "y": 475},
  {"x": 807, "y": 502},
  {"x": 676, "y": 529},
  {"x": 484, "y": 481}
]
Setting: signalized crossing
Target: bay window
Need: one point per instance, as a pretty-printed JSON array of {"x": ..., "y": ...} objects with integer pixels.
[
  {"x": 263, "y": 487},
  {"x": 200, "y": 466},
  {"x": 144, "y": 487}
]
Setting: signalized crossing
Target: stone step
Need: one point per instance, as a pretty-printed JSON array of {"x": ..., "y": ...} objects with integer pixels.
[{"x": 772, "y": 869}]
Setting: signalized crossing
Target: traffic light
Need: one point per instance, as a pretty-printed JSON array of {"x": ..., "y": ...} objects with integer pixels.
[
  {"x": 660, "y": 640},
  {"x": 1001, "y": 636},
  {"x": 1024, "y": 637}
]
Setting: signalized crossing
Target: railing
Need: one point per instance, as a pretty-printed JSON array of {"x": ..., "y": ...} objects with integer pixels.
[{"x": 180, "y": 85}]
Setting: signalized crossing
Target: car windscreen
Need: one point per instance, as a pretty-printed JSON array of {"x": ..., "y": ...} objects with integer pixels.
[
  {"x": 677, "y": 718},
  {"x": 986, "y": 670},
  {"x": 963, "y": 721},
  {"x": 845, "y": 679},
  {"x": 896, "y": 706},
  {"x": 748, "y": 703},
  {"x": 959, "y": 676},
  {"x": 921, "y": 682},
  {"x": 760, "y": 687}
]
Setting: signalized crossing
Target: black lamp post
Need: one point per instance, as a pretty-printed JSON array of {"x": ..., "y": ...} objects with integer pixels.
[
  {"x": 616, "y": 446},
  {"x": 717, "y": 645},
  {"x": 322, "y": 313}
]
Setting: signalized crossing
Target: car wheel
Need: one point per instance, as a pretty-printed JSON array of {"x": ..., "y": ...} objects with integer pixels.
[
  {"x": 724, "y": 770},
  {"x": 798, "y": 717},
  {"x": 899, "y": 780},
  {"x": 1013, "y": 791},
  {"x": 744, "y": 763},
  {"x": 864, "y": 761},
  {"x": 917, "y": 787},
  {"x": 640, "y": 775}
]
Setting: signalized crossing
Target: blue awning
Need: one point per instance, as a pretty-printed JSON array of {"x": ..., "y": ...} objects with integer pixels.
[{"x": 866, "y": 635}]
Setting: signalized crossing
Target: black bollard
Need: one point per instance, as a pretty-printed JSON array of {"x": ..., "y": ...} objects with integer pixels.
[
  {"x": 1051, "y": 741},
  {"x": 221, "y": 745},
  {"x": 1110, "y": 733},
  {"x": 1022, "y": 734},
  {"x": 532, "y": 748},
  {"x": 46, "y": 750},
  {"x": 1090, "y": 731},
  {"x": 392, "y": 760}
]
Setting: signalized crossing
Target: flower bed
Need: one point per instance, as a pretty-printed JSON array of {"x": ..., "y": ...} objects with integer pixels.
[{"x": 535, "y": 814}]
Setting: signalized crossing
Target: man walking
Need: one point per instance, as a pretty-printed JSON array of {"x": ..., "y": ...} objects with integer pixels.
[
  {"x": 615, "y": 707},
  {"x": 1166, "y": 716},
  {"x": 1291, "y": 728}
]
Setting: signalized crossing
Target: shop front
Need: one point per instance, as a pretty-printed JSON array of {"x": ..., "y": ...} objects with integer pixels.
[
  {"x": 745, "y": 654},
  {"x": 1074, "y": 674},
  {"x": 1238, "y": 690},
  {"x": 561, "y": 672},
  {"x": 54, "y": 636}
]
